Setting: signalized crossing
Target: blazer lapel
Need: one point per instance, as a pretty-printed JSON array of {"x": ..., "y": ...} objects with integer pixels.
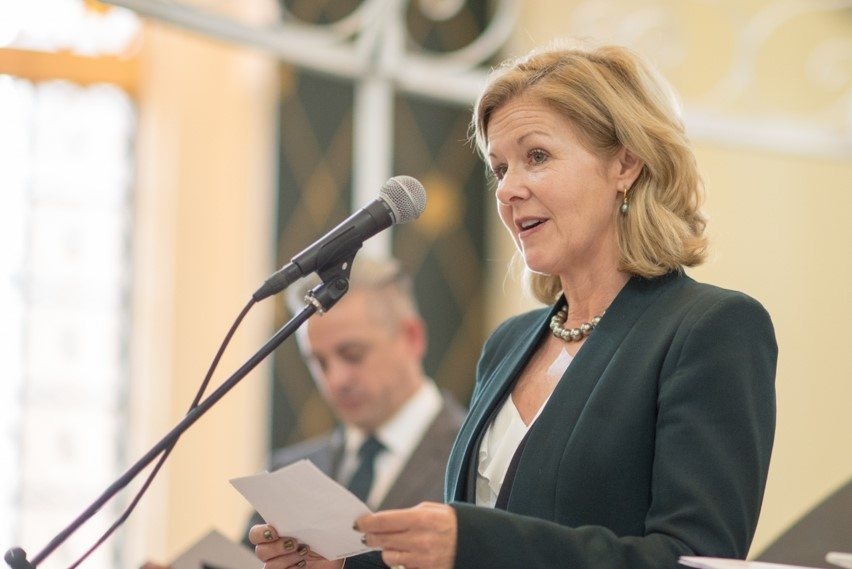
[
  {"x": 427, "y": 464},
  {"x": 334, "y": 456},
  {"x": 479, "y": 415},
  {"x": 552, "y": 432}
]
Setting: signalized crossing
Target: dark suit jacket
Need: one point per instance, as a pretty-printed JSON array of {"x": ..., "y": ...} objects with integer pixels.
[
  {"x": 422, "y": 477},
  {"x": 655, "y": 444}
]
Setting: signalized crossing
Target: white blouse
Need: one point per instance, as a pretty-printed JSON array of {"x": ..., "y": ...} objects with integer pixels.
[{"x": 502, "y": 438}]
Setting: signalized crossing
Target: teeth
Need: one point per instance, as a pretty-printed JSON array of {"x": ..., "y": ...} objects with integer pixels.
[{"x": 529, "y": 223}]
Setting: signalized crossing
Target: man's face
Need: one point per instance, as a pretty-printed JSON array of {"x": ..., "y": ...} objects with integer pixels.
[{"x": 365, "y": 367}]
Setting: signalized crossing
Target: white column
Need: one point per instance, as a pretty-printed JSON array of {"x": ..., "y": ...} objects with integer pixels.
[{"x": 372, "y": 148}]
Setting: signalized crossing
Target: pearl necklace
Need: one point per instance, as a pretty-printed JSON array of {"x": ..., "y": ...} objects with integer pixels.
[{"x": 573, "y": 334}]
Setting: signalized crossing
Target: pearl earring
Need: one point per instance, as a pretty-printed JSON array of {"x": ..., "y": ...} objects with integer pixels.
[{"x": 624, "y": 205}]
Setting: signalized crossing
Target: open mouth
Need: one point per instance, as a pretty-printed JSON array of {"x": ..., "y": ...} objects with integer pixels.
[{"x": 527, "y": 224}]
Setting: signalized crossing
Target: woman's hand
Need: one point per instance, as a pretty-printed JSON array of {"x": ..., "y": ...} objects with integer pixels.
[
  {"x": 423, "y": 537},
  {"x": 285, "y": 552}
]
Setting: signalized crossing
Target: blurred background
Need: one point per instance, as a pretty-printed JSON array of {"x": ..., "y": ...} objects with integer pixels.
[{"x": 157, "y": 165}]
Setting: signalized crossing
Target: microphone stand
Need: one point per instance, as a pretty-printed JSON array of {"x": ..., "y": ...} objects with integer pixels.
[{"x": 320, "y": 299}]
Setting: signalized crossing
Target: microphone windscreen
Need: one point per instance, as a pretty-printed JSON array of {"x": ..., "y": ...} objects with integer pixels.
[{"x": 405, "y": 196}]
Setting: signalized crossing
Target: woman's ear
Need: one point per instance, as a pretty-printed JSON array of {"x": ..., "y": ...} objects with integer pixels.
[{"x": 628, "y": 166}]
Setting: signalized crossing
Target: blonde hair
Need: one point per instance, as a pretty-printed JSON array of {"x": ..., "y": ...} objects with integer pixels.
[{"x": 614, "y": 100}]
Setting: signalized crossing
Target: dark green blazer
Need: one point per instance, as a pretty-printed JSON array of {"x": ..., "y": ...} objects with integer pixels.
[{"x": 655, "y": 443}]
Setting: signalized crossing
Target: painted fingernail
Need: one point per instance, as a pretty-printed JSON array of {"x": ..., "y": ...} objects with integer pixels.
[
  {"x": 302, "y": 550},
  {"x": 301, "y": 563},
  {"x": 289, "y": 544},
  {"x": 267, "y": 535},
  {"x": 355, "y": 525},
  {"x": 364, "y": 539}
]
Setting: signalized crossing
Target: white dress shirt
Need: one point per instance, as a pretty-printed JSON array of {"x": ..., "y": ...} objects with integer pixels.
[{"x": 400, "y": 435}]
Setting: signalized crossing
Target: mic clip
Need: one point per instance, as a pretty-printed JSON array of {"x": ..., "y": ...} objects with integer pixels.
[{"x": 335, "y": 283}]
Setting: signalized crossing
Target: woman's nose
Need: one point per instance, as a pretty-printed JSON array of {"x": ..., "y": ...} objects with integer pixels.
[{"x": 511, "y": 187}]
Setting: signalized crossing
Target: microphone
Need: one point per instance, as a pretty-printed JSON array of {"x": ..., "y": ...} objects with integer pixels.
[{"x": 401, "y": 199}]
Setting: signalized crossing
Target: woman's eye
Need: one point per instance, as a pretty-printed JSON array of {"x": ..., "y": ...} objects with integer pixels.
[
  {"x": 498, "y": 172},
  {"x": 537, "y": 156}
]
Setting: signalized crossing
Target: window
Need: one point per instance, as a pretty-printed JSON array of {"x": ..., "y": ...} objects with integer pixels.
[{"x": 66, "y": 168}]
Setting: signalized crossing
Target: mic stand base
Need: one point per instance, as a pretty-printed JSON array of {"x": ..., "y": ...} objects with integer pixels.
[{"x": 16, "y": 558}]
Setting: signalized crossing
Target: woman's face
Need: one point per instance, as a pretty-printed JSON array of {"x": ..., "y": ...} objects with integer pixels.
[{"x": 558, "y": 200}]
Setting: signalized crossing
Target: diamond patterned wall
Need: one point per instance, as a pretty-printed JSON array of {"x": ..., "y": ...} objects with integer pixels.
[{"x": 443, "y": 249}]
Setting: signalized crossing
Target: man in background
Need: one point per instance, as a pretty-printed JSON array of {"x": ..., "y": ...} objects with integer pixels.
[{"x": 366, "y": 356}]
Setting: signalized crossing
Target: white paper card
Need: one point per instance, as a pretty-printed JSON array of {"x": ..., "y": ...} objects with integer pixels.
[
  {"x": 216, "y": 551},
  {"x": 720, "y": 563},
  {"x": 301, "y": 501},
  {"x": 840, "y": 559}
]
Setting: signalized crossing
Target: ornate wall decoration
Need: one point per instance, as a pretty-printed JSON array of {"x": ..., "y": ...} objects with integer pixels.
[{"x": 774, "y": 74}]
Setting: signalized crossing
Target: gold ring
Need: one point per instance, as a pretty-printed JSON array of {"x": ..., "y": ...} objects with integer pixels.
[
  {"x": 267, "y": 535},
  {"x": 400, "y": 566}
]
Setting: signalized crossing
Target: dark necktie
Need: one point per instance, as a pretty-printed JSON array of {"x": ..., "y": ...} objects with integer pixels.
[{"x": 362, "y": 478}]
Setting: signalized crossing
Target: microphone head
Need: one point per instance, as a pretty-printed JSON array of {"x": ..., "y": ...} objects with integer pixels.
[{"x": 405, "y": 196}]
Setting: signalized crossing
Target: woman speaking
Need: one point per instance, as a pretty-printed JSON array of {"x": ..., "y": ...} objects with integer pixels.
[{"x": 631, "y": 421}]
